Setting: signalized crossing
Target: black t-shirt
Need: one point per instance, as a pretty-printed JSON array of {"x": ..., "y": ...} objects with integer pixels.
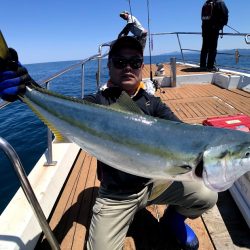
[{"x": 112, "y": 178}]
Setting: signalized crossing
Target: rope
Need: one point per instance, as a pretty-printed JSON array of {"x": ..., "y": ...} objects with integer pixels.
[
  {"x": 233, "y": 29},
  {"x": 246, "y": 37}
]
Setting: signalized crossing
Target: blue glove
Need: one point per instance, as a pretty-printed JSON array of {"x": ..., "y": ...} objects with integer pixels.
[
  {"x": 13, "y": 78},
  {"x": 12, "y": 83}
]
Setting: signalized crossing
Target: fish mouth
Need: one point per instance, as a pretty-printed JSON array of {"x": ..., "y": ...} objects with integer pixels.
[
  {"x": 209, "y": 179},
  {"x": 217, "y": 187},
  {"x": 226, "y": 163},
  {"x": 215, "y": 177}
]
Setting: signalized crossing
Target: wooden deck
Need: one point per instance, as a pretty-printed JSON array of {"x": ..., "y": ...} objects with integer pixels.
[
  {"x": 221, "y": 228},
  {"x": 195, "y": 103}
]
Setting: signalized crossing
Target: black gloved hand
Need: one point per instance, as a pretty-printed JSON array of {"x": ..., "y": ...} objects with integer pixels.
[{"x": 13, "y": 77}]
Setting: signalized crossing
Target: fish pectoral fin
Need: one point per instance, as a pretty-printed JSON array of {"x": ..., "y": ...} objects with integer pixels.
[
  {"x": 125, "y": 103},
  {"x": 179, "y": 170}
]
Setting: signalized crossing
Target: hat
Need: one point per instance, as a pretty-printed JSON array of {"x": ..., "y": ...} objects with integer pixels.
[
  {"x": 125, "y": 42},
  {"x": 124, "y": 12}
]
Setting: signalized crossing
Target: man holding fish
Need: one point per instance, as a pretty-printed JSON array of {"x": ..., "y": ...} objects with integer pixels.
[{"x": 122, "y": 194}]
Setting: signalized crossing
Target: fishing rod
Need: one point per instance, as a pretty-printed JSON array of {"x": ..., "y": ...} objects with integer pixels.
[
  {"x": 130, "y": 9},
  {"x": 149, "y": 36},
  {"x": 149, "y": 43}
]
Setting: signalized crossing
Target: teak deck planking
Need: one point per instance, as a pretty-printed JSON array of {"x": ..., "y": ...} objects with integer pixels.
[{"x": 192, "y": 103}]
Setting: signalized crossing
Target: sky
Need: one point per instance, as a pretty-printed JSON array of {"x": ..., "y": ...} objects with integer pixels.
[{"x": 61, "y": 30}]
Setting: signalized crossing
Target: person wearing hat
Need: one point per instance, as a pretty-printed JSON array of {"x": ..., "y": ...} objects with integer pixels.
[
  {"x": 133, "y": 26},
  {"x": 121, "y": 195}
]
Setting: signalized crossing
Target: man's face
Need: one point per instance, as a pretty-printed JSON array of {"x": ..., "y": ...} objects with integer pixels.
[
  {"x": 125, "y": 69},
  {"x": 124, "y": 16}
]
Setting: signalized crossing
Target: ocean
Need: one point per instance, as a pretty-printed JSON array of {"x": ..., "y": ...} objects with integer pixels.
[{"x": 28, "y": 135}]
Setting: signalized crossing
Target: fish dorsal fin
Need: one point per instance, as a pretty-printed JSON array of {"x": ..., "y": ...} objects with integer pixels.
[{"x": 125, "y": 103}]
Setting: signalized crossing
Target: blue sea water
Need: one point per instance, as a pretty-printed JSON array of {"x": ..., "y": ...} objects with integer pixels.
[{"x": 27, "y": 134}]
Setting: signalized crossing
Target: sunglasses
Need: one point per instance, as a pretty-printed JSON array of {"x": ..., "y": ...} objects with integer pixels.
[{"x": 121, "y": 62}]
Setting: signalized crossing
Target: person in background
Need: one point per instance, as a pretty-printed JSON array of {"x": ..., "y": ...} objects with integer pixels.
[
  {"x": 121, "y": 195},
  {"x": 214, "y": 16},
  {"x": 135, "y": 27}
]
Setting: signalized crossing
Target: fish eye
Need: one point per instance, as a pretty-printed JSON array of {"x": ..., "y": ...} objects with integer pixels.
[
  {"x": 247, "y": 154},
  {"x": 223, "y": 154},
  {"x": 187, "y": 167}
]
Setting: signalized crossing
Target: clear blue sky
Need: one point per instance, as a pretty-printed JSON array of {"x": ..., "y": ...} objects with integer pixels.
[{"x": 53, "y": 30}]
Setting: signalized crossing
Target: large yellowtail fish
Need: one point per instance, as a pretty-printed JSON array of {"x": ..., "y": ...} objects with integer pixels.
[{"x": 124, "y": 138}]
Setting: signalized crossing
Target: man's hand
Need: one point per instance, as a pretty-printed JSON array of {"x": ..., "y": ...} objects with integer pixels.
[
  {"x": 12, "y": 83},
  {"x": 120, "y": 35},
  {"x": 13, "y": 78}
]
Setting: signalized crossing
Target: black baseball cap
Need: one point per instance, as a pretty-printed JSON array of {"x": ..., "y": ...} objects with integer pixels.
[{"x": 125, "y": 42}]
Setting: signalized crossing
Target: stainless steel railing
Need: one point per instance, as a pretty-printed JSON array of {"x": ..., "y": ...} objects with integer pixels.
[
  {"x": 99, "y": 57},
  {"x": 49, "y": 156},
  {"x": 46, "y": 83},
  {"x": 245, "y": 36},
  {"x": 10, "y": 152},
  {"x": 28, "y": 191},
  {"x": 16, "y": 163}
]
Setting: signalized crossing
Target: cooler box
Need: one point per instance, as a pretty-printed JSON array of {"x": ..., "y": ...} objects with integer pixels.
[
  {"x": 240, "y": 190},
  {"x": 238, "y": 122}
]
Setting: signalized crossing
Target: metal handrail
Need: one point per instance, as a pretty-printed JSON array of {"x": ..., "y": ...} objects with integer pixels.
[
  {"x": 99, "y": 57},
  {"x": 49, "y": 156},
  {"x": 245, "y": 35},
  {"x": 46, "y": 82},
  {"x": 12, "y": 155},
  {"x": 84, "y": 61},
  {"x": 98, "y": 76},
  {"x": 17, "y": 165},
  {"x": 246, "y": 39},
  {"x": 28, "y": 191},
  {"x": 197, "y": 33}
]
